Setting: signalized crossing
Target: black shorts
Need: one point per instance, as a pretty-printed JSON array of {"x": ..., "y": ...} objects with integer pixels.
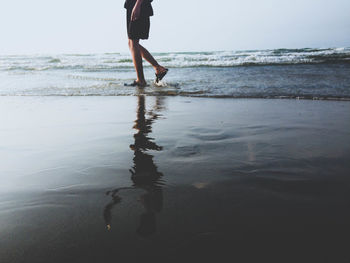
[{"x": 138, "y": 29}]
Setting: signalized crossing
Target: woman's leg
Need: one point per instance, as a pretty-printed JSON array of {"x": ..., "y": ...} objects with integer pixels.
[
  {"x": 137, "y": 59},
  {"x": 147, "y": 56}
]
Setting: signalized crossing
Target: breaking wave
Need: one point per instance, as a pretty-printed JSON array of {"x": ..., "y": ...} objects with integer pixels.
[{"x": 116, "y": 61}]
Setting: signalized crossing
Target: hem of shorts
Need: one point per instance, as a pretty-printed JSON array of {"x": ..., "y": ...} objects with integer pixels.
[{"x": 137, "y": 38}]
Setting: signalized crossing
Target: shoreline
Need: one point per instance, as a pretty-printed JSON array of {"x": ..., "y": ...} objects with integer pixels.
[{"x": 341, "y": 99}]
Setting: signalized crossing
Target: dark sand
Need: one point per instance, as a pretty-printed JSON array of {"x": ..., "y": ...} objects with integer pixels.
[{"x": 227, "y": 180}]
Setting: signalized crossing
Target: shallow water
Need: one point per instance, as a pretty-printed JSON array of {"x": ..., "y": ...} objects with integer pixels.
[
  {"x": 283, "y": 73},
  {"x": 173, "y": 178}
]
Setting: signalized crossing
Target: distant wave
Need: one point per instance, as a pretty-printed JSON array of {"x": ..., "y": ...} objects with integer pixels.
[{"x": 110, "y": 61}]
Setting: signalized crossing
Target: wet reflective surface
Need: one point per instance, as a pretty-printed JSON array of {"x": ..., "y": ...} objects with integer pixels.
[
  {"x": 144, "y": 173},
  {"x": 173, "y": 179}
]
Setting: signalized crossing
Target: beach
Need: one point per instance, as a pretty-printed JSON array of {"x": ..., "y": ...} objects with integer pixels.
[
  {"x": 173, "y": 178},
  {"x": 175, "y": 131}
]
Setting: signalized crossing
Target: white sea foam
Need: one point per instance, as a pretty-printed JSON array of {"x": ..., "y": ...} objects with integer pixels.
[{"x": 108, "y": 62}]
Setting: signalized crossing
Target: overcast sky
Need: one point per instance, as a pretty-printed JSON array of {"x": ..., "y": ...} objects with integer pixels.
[{"x": 84, "y": 26}]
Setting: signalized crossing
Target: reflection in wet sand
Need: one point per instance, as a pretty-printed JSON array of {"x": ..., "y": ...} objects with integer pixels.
[{"x": 144, "y": 173}]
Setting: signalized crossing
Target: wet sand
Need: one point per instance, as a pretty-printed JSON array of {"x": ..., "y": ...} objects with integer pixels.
[{"x": 94, "y": 179}]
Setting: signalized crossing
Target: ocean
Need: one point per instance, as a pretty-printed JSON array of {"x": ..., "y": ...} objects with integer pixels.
[
  {"x": 95, "y": 171},
  {"x": 279, "y": 73}
]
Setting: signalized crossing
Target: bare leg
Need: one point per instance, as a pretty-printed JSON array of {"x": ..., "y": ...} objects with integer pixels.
[
  {"x": 137, "y": 59},
  {"x": 147, "y": 56}
]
